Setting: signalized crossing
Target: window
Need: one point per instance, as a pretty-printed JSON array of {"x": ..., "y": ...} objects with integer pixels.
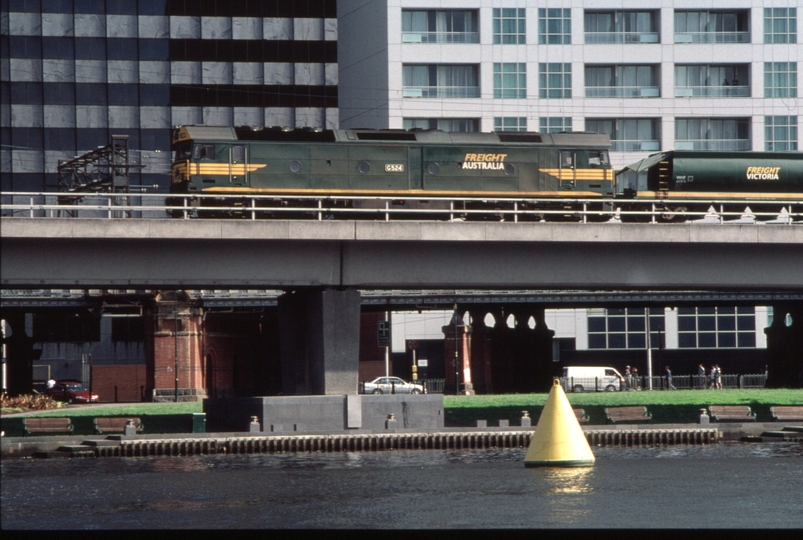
[
  {"x": 712, "y": 26},
  {"x": 780, "y": 79},
  {"x": 716, "y": 327},
  {"x": 712, "y": 81},
  {"x": 439, "y": 26},
  {"x": 440, "y": 81},
  {"x": 780, "y": 133},
  {"x": 621, "y": 27},
  {"x": 621, "y": 81},
  {"x": 627, "y": 134},
  {"x": 724, "y": 134},
  {"x": 624, "y": 328},
  {"x": 510, "y": 26},
  {"x": 463, "y": 125},
  {"x": 510, "y": 81},
  {"x": 555, "y": 81},
  {"x": 780, "y": 25},
  {"x": 510, "y": 123},
  {"x": 554, "y": 124},
  {"x": 554, "y": 26}
]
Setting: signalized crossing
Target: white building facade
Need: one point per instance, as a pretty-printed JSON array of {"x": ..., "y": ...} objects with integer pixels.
[{"x": 653, "y": 74}]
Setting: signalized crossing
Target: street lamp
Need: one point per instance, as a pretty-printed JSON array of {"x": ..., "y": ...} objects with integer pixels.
[
  {"x": 456, "y": 356},
  {"x": 175, "y": 339}
]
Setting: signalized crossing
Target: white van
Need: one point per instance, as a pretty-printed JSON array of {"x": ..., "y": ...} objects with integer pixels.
[{"x": 589, "y": 378}]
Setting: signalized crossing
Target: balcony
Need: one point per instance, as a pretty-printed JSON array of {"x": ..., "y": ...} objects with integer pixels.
[
  {"x": 712, "y": 91},
  {"x": 440, "y": 37},
  {"x": 441, "y": 92},
  {"x": 622, "y": 91},
  {"x": 717, "y": 145},
  {"x": 621, "y": 37},
  {"x": 635, "y": 146},
  {"x": 712, "y": 37}
]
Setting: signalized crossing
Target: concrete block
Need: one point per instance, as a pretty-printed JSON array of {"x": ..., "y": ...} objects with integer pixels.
[
  {"x": 482, "y": 424},
  {"x": 353, "y": 411},
  {"x": 504, "y": 423}
]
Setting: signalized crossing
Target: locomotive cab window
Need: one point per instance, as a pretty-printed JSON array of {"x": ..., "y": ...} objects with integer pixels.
[
  {"x": 201, "y": 151},
  {"x": 183, "y": 151},
  {"x": 597, "y": 158},
  {"x": 237, "y": 154},
  {"x": 566, "y": 160}
]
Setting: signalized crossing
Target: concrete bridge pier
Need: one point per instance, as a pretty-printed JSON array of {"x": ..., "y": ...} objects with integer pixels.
[
  {"x": 173, "y": 356},
  {"x": 785, "y": 346},
  {"x": 319, "y": 341}
]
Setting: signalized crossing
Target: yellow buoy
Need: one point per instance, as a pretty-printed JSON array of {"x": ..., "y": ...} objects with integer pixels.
[{"x": 559, "y": 440}]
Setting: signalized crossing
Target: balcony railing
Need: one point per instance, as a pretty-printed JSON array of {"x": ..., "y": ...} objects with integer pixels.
[
  {"x": 726, "y": 145},
  {"x": 712, "y": 91},
  {"x": 441, "y": 92},
  {"x": 621, "y": 37},
  {"x": 622, "y": 91},
  {"x": 440, "y": 37},
  {"x": 712, "y": 37},
  {"x": 635, "y": 146}
]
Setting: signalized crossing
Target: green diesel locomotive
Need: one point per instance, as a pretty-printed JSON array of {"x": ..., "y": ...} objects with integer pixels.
[{"x": 274, "y": 167}]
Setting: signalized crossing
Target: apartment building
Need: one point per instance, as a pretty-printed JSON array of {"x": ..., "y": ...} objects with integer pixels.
[{"x": 653, "y": 74}]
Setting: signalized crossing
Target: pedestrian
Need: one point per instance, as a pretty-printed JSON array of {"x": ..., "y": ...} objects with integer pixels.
[
  {"x": 669, "y": 379},
  {"x": 628, "y": 378},
  {"x": 636, "y": 380},
  {"x": 701, "y": 376},
  {"x": 719, "y": 377},
  {"x": 735, "y": 80},
  {"x": 51, "y": 383},
  {"x": 712, "y": 377}
]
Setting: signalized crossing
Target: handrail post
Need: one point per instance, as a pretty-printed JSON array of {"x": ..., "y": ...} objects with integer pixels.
[
  {"x": 184, "y": 201},
  {"x": 320, "y": 208},
  {"x": 253, "y": 209},
  {"x": 516, "y": 212},
  {"x": 387, "y": 210}
]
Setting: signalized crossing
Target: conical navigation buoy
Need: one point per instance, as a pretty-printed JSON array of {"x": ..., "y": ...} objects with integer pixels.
[{"x": 559, "y": 440}]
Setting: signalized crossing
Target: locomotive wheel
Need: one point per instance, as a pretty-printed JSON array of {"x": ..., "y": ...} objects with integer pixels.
[{"x": 674, "y": 215}]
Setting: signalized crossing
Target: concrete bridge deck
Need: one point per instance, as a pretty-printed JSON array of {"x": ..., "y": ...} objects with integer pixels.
[{"x": 159, "y": 253}]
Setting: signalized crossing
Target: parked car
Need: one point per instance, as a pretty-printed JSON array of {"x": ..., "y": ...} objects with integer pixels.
[
  {"x": 390, "y": 385},
  {"x": 71, "y": 392}
]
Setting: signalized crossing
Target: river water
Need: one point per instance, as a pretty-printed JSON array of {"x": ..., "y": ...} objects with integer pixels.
[{"x": 727, "y": 485}]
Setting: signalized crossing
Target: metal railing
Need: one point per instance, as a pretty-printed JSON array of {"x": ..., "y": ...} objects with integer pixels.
[
  {"x": 720, "y": 145},
  {"x": 622, "y": 91},
  {"x": 712, "y": 37},
  {"x": 442, "y": 92},
  {"x": 679, "y": 382},
  {"x": 440, "y": 37},
  {"x": 621, "y": 37},
  {"x": 432, "y": 386},
  {"x": 154, "y": 206},
  {"x": 721, "y": 91}
]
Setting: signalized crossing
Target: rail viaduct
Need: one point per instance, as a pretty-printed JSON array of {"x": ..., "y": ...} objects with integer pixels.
[{"x": 322, "y": 266}]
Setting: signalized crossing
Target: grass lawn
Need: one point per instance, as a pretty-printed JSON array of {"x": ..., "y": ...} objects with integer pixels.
[
  {"x": 679, "y": 406},
  {"x": 126, "y": 409}
]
